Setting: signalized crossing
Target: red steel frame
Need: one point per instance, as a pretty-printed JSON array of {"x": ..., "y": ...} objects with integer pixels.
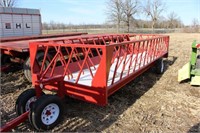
[
  {"x": 126, "y": 55},
  {"x": 79, "y": 54}
]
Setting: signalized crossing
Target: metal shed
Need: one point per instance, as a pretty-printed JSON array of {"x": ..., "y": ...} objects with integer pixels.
[{"x": 19, "y": 22}]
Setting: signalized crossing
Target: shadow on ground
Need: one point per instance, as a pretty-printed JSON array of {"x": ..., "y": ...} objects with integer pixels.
[{"x": 195, "y": 129}]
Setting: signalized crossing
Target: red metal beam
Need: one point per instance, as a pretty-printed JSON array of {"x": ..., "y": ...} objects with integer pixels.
[
  {"x": 4, "y": 68},
  {"x": 121, "y": 83},
  {"x": 15, "y": 122},
  {"x": 9, "y": 39},
  {"x": 21, "y": 44}
]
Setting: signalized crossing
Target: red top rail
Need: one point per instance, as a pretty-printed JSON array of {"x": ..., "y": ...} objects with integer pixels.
[
  {"x": 9, "y": 39},
  {"x": 21, "y": 44}
]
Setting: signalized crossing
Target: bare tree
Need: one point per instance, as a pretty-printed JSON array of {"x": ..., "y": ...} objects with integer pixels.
[
  {"x": 8, "y": 3},
  {"x": 154, "y": 8},
  {"x": 195, "y": 25},
  {"x": 114, "y": 12},
  {"x": 45, "y": 26},
  {"x": 52, "y": 25},
  {"x": 130, "y": 8},
  {"x": 173, "y": 19}
]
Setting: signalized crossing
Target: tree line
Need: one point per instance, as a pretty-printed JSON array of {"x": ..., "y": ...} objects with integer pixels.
[
  {"x": 124, "y": 12},
  {"x": 52, "y": 25}
]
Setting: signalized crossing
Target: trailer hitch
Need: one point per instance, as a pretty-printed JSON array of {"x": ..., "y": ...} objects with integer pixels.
[{"x": 15, "y": 122}]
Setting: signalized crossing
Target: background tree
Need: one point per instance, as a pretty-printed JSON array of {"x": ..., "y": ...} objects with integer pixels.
[
  {"x": 129, "y": 8},
  {"x": 45, "y": 26},
  {"x": 8, "y": 3},
  {"x": 153, "y": 9},
  {"x": 53, "y": 25},
  {"x": 114, "y": 12},
  {"x": 173, "y": 19},
  {"x": 195, "y": 25}
]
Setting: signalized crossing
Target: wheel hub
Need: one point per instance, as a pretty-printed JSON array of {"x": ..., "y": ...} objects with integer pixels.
[
  {"x": 29, "y": 103},
  {"x": 50, "y": 114}
]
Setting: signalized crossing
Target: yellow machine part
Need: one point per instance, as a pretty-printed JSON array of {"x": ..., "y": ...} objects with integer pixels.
[
  {"x": 195, "y": 80},
  {"x": 184, "y": 72}
]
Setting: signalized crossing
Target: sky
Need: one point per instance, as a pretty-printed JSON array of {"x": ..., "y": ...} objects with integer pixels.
[{"x": 94, "y": 11}]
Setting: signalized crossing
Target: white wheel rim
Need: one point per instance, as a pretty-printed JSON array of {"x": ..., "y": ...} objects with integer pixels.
[
  {"x": 162, "y": 66},
  {"x": 29, "y": 102},
  {"x": 50, "y": 114}
]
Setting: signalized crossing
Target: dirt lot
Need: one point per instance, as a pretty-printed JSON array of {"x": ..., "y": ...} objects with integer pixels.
[{"x": 151, "y": 103}]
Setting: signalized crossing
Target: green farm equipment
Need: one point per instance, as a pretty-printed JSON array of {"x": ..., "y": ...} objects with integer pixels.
[{"x": 191, "y": 70}]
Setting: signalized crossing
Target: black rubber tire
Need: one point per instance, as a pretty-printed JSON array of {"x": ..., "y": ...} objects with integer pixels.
[
  {"x": 24, "y": 97},
  {"x": 1, "y": 59},
  {"x": 1, "y": 64},
  {"x": 30, "y": 118},
  {"x": 27, "y": 67},
  {"x": 198, "y": 62},
  {"x": 5, "y": 59},
  {"x": 159, "y": 66},
  {"x": 39, "y": 106}
]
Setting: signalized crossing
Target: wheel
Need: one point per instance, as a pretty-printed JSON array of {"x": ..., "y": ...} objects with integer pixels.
[
  {"x": 46, "y": 112},
  {"x": 4, "y": 59},
  {"x": 198, "y": 62},
  {"x": 25, "y": 101},
  {"x": 27, "y": 67},
  {"x": 159, "y": 66}
]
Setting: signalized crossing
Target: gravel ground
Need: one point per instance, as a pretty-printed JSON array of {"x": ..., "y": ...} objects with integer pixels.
[{"x": 150, "y": 103}]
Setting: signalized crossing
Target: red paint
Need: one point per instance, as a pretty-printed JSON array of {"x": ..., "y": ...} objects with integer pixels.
[{"x": 198, "y": 45}]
